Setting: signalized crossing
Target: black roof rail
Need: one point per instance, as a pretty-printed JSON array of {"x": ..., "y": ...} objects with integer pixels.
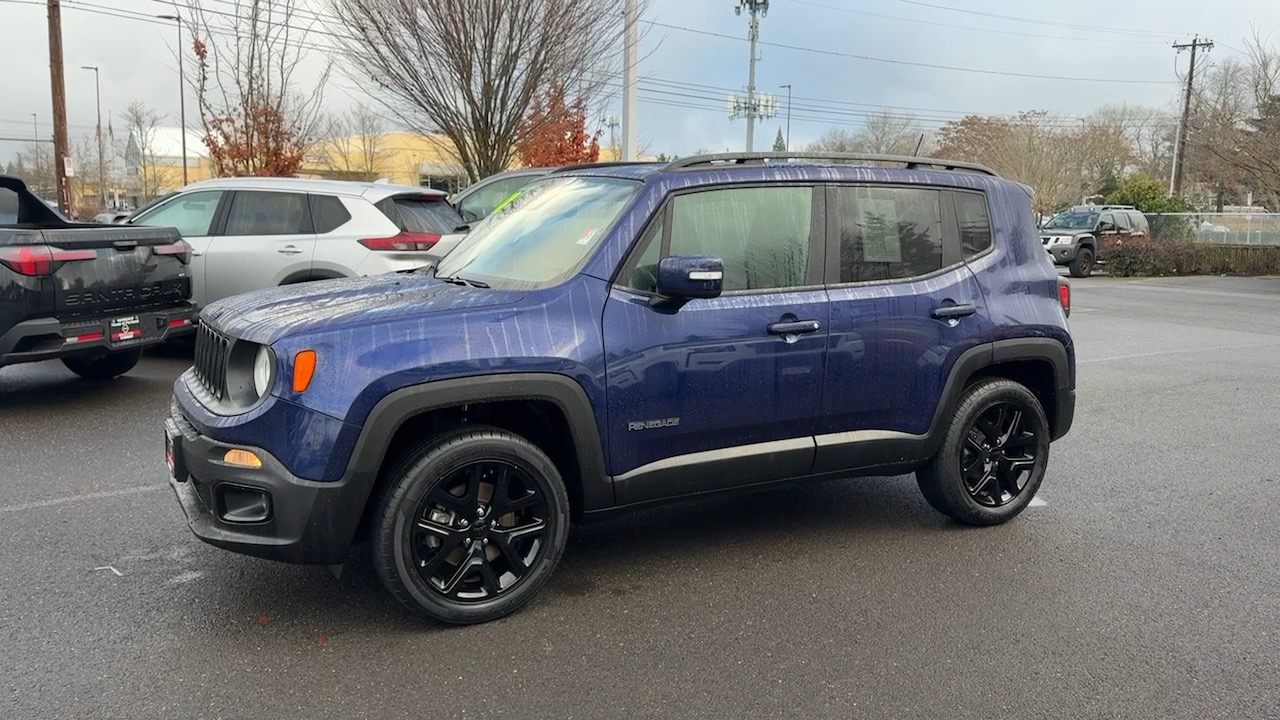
[{"x": 759, "y": 158}]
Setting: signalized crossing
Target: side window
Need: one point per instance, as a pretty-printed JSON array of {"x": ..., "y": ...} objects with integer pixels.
[
  {"x": 328, "y": 213},
  {"x": 192, "y": 214},
  {"x": 888, "y": 233},
  {"x": 762, "y": 234},
  {"x": 1122, "y": 221},
  {"x": 268, "y": 213},
  {"x": 479, "y": 204},
  {"x": 641, "y": 271},
  {"x": 1139, "y": 221},
  {"x": 975, "y": 222},
  {"x": 1107, "y": 219}
]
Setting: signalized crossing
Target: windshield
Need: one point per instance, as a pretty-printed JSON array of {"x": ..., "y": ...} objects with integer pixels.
[
  {"x": 542, "y": 233},
  {"x": 1072, "y": 221}
]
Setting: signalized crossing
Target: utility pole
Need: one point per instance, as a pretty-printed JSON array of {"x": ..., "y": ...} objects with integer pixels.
[
  {"x": 788, "y": 87},
  {"x": 630, "y": 149},
  {"x": 102, "y": 166},
  {"x": 35, "y": 129},
  {"x": 612, "y": 123},
  {"x": 61, "y": 158},
  {"x": 1180, "y": 152},
  {"x": 756, "y": 9},
  {"x": 182, "y": 93}
]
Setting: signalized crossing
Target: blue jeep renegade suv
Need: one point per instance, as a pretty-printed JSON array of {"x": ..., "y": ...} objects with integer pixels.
[{"x": 621, "y": 335}]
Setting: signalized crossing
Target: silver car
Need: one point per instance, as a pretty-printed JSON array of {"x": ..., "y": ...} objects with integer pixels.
[{"x": 251, "y": 233}]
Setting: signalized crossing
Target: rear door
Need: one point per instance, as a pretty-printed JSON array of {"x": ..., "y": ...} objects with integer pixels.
[
  {"x": 904, "y": 307},
  {"x": 266, "y": 240},
  {"x": 194, "y": 214}
]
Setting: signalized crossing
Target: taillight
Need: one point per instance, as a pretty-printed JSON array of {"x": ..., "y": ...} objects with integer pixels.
[
  {"x": 180, "y": 249},
  {"x": 1064, "y": 296},
  {"x": 37, "y": 260},
  {"x": 404, "y": 242}
]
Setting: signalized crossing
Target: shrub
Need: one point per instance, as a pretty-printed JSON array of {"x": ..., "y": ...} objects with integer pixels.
[{"x": 1148, "y": 256}]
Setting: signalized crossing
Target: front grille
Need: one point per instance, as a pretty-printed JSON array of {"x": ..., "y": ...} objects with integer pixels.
[{"x": 212, "y": 350}]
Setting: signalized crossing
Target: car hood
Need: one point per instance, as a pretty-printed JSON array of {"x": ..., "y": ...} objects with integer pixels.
[{"x": 265, "y": 316}]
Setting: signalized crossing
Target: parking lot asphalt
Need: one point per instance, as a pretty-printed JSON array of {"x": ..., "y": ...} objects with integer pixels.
[{"x": 1146, "y": 586}]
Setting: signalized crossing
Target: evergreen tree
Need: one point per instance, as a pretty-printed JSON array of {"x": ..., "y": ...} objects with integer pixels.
[{"x": 779, "y": 143}]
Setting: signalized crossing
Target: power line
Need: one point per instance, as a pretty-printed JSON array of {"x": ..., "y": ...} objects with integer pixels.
[
  {"x": 933, "y": 66},
  {"x": 972, "y": 28},
  {"x": 1045, "y": 23}
]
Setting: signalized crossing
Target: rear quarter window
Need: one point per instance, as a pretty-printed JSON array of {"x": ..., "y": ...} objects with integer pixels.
[
  {"x": 974, "y": 220},
  {"x": 421, "y": 214},
  {"x": 328, "y": 213},
  {"x": 8, "y": 206}
]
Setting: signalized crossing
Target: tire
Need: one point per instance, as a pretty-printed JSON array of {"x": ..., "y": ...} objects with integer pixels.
[
  {"x": 103, "y": 365},
  {"x": 973, "y": 439},
  {"x": 1082, "y": 266},
  {"x": 457, "y": 579}
]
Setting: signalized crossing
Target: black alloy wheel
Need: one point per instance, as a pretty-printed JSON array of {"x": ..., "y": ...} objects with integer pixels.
[
  {"x": 470, "y": 526},
  {"x": 999, "y": 455},
  {"x": 993, "y": 456},
  {"x": 477, "y": 533}
]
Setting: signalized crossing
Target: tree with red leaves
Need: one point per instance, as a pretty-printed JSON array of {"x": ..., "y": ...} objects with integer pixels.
[{"x": 555, "y": 132}]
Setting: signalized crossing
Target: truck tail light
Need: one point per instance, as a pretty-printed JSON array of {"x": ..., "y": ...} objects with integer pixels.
[
  {"x": 404, "y": 242},
  {"x": 180, "y": 249},
  {"x": 38, "y": 260}
]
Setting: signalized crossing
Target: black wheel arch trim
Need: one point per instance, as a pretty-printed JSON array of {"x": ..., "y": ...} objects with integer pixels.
[
  {"x": 311, "y": 274},
  {"x": 567, "y": 394}
]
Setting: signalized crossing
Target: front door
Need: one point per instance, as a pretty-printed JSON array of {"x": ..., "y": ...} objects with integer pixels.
[
  {"x": 722, "y": 392},
  {"x": 193, "y": 214},
  {"x": 904, "y": 307},
  {"x": 267, "y": 240}
]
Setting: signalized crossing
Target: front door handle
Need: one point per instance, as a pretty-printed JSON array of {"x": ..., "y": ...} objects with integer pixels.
[
  {"x": 948, "y": 312},
  {"x": 289, "y": 250},
  {"x": 795, "y": 327}
]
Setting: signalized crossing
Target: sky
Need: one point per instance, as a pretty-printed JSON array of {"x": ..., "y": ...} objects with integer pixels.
[{"x": 843, "y": 59}]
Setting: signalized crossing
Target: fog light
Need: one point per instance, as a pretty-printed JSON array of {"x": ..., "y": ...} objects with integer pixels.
[
  {"x": 240, "y": 504},
  {"x": 241, "y": 458}
]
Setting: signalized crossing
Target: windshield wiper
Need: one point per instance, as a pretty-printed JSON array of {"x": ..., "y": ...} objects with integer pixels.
[{"x": 459, "y": 280}]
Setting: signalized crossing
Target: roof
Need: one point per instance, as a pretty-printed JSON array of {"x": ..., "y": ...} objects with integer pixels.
[
  {"x": 166, "y": 142},
  {"x": 328, "y": 187}
]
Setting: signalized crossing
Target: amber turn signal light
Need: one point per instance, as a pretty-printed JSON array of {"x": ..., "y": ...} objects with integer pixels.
[
  {"x": 304, "y": 366},
  {"x": 241, "y": 458}
]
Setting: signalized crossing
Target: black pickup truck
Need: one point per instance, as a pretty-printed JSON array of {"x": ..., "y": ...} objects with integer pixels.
[{"x": 93, "y": 296}]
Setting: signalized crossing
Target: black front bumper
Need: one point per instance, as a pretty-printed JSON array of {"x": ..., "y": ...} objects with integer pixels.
[
  {"x": 51, "y": 338},
  {"x": 1063, "y": 254},
  {"x": 305, "y": 522}
]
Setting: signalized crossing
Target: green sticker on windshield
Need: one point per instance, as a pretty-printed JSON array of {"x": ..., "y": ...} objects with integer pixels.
[{"x": 508, "y": 201}]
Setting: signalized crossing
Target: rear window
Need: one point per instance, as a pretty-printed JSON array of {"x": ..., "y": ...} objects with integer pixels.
[
  {"x": 421, "y": 214},
  {"x": 8, "y": 206}
]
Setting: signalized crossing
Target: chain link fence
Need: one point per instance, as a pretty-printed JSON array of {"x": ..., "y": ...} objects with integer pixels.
[{"x": 1217, "y": 228}]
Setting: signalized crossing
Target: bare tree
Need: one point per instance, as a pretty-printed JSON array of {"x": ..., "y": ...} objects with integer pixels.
[
  {"x": 35, "y": 167},
  {"x": 256, "y": 119},
  {"x": 147, "y": 175},
  {"x": 883, "y": 133},
  {"x": 470, "y": 69},
  {"x": 1034, "y": 149},
  {"x": 354, "y": 145}
]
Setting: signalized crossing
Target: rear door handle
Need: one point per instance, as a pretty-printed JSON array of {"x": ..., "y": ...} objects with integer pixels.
[
  {"x": 289, "y": 250},
  {"x": 795, "y": 327},
  {"x": 947, "y": 312}
]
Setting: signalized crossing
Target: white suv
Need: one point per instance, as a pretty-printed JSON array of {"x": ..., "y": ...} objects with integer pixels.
[{"x": 250, "y": 233}]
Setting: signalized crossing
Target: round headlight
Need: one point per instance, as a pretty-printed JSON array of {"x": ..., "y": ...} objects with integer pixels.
[{"x": 263, "y": 369}]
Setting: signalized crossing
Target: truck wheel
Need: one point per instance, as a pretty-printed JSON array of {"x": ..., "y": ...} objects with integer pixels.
[
  {"x": 1082, "y": 266},
  {"x": 103, "y": 365},
  {"x": 993, "y": 456},
  {"x": 471, "y": 525}
]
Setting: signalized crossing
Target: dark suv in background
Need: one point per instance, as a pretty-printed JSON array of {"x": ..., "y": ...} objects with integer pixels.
[
  {"x": 1074, "y": 237},
  {"x": 624, "y": 335}
]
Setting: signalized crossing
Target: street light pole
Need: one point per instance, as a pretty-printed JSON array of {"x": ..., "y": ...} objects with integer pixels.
[
  {"x": 102, "y": 166},
  {"x": 788, "y": 87},
  {"x": 182, "y": 93},
  {"x": 35, "y": 129}
]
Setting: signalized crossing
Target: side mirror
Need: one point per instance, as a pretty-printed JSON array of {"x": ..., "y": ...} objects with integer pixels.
[
  {"x": 1107, "y": 227},
  {"x": 690, "y": 277}
]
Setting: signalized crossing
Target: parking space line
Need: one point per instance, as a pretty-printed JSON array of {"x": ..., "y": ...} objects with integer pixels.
[
  {"x": 50, "y": 502},
  {"x": 1181, "y": 351},
  {"x": 1037, "y": 502}
]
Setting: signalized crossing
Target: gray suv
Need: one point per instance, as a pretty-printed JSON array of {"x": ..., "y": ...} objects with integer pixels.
[{"x": 252, "y": 233}]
